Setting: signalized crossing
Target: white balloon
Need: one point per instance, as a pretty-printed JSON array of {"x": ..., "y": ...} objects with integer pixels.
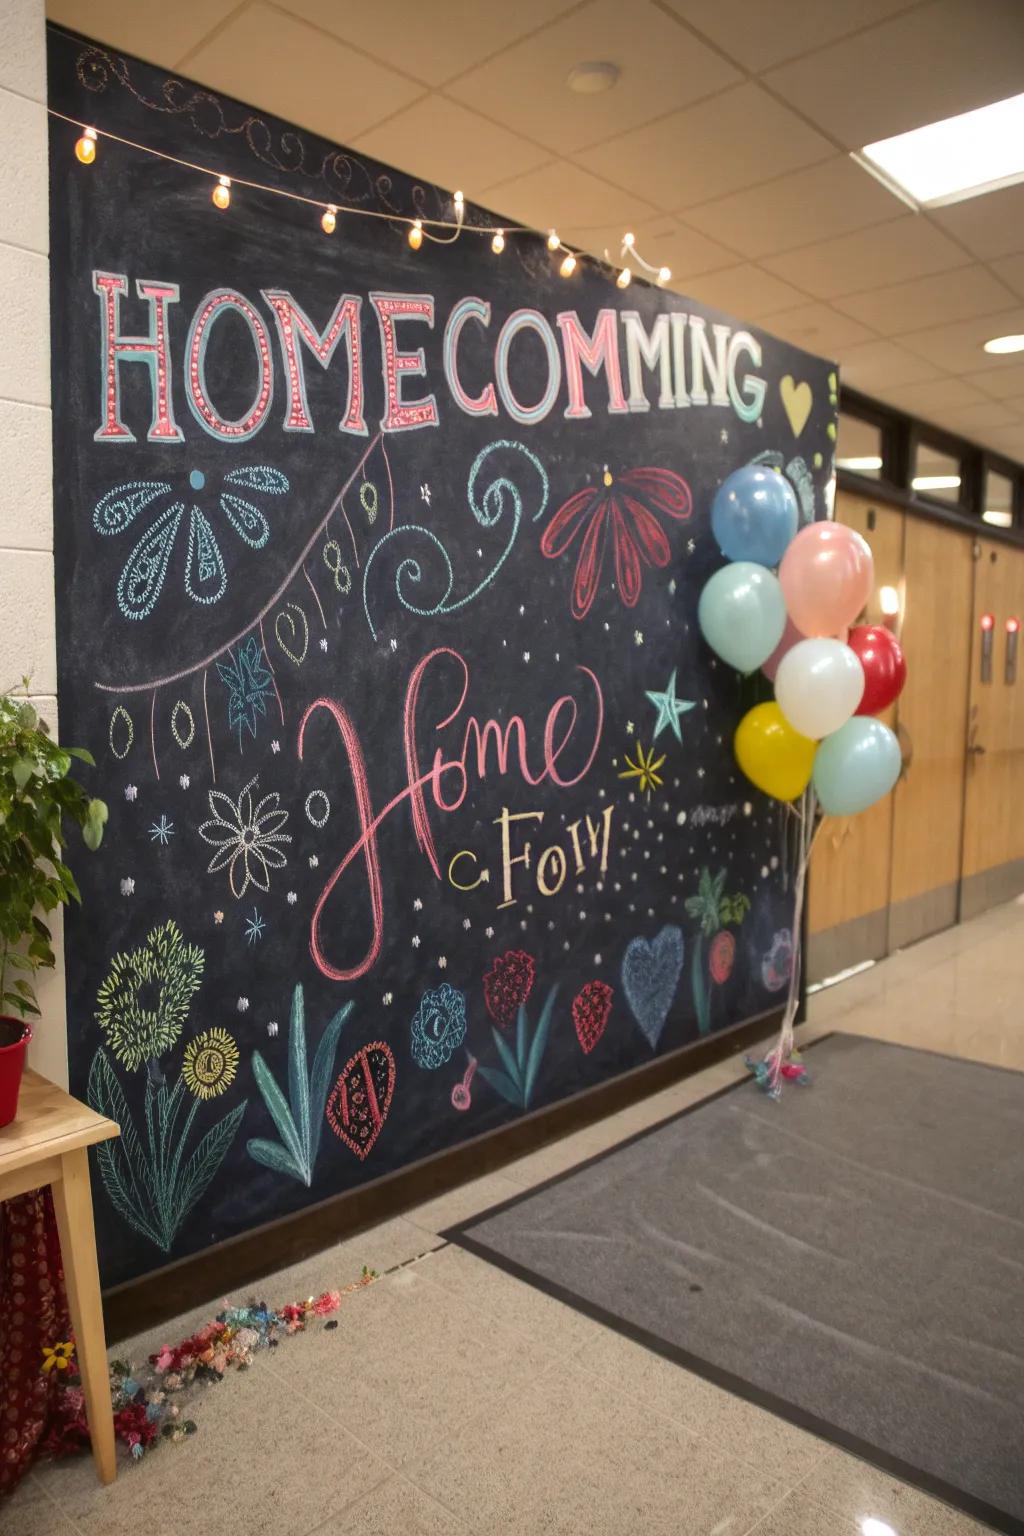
[{"x": 818, "y": 686}]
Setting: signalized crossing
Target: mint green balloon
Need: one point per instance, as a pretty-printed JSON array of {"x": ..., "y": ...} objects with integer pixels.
[
  {"x": 855, "y": 766},
  {"x": 742, "y": 614}
]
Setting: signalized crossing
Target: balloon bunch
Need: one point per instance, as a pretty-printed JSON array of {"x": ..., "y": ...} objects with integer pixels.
[{"x": 784, "y": 603}]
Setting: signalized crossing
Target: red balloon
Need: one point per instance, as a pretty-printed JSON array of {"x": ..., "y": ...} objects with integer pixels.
[{"x": 885, "y": 666}]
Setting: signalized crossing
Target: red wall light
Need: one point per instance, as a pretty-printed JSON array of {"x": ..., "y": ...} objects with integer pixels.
[
  {"x": 988, "y": 621},
  {"x": 1012, "y": 626}
]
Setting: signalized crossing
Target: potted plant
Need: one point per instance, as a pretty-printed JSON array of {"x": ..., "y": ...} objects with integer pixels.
[{"x": 36, "y": 792}]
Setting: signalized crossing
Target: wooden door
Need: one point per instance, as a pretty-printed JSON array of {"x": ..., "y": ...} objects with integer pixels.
[{"x": 937, "y": 601}]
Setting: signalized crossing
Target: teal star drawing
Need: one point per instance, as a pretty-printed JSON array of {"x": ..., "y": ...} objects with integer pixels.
[
  {"x": 161, "y": 831},
  {"x": 255, "y": 927},
  {"x": 669, "y": 709}
]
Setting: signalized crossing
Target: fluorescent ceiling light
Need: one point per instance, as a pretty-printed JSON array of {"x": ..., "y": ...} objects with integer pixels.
[
  {"x": 867, "y": 461},
  {"x": 957, "y": 158},
  {"x": 997, "y": 518},
  {"x": 1005, "y": 344},
  {"x": 935, "y": 483}
]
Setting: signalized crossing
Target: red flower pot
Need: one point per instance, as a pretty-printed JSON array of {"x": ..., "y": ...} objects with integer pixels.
[{"x": 14, "y": 1038}]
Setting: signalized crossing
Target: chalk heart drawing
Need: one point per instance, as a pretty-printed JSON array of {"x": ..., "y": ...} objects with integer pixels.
[
  {"x": 797, "y": 401},
  {"x": 650, "y": 975},
  {"x": 361, "y": 1098}
]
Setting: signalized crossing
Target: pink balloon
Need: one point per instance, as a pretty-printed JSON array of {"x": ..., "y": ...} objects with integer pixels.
[
  {"x": 826, "y": 576},
  {"x": 791, "y": 636}
]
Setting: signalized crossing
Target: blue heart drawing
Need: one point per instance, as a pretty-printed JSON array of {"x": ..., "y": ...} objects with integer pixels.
[{"x": 650, "y": 975}]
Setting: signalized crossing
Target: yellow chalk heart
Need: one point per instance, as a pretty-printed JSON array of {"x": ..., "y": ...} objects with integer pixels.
[{"x": 797, "y": 401}]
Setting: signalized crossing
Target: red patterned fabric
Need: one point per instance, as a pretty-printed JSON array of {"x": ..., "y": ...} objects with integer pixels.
[{"x": 33, "y": 1315}]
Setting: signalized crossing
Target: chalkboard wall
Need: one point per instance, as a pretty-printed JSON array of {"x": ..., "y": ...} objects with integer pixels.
[{"x": 377, "y": 574}]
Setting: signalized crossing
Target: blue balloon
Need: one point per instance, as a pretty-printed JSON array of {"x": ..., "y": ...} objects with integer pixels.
[
  {"x": 755, "y": 515},
  {"x": 856, "y": 766},
  {"x": 742, "y": 614}
]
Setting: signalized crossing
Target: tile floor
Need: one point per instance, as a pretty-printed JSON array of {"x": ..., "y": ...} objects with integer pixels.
[{"x": 455, "y": 1399}]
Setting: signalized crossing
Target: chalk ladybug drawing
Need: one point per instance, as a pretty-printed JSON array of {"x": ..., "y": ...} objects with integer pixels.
[{"x": 361, "y": 1098}]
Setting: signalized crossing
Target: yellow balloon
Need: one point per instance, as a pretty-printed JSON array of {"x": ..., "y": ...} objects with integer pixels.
[{"x": 772, "y": 755}]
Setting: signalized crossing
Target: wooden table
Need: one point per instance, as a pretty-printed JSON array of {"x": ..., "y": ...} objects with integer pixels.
[{"x": 48, "y": 1144}]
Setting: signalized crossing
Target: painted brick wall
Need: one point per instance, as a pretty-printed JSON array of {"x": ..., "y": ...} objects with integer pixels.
[{"x": 26, "y": 509}]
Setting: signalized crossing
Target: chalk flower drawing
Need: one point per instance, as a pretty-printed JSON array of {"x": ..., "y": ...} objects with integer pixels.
[
  {"x": 628, "y": 506},
  {"x": 247, "y": 836},
  {"x": 145, "y": 570},
  {"x": 248, "y": 682},
  {"x": 644, "y": 770},
  {"x": 144, "y": 1001},
  {"x": 210, "y": 1063},
  {"x": 438, "y": 1026}
]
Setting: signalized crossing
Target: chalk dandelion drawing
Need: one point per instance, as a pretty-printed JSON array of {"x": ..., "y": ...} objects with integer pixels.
[
  {"x": 144, "y": 572},
  {"x": 248, "y": 837},
  {"x": 249, "y": 683}
]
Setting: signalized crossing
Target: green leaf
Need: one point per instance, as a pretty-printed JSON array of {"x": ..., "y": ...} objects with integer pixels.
[
  {"x": 201, "y": 1167},
  {"x": 320, "y": 1081},
  {"x": 272, "y": 1155},
  {"x": 83, "y": 755},
  {"x": 298, "y": 1077},
  {"x": 27, "y": 717},
  {"x": 277, "y": 1104},
  {"x": 537, "y": 1049},
  {"x": 22, "y": 771},
  {"x": 127, "y": 1174},
  {"x": 501, "y": 1083},
  {"x": 511, "y": 1065},
  {"x": 522, "y": 1025}
]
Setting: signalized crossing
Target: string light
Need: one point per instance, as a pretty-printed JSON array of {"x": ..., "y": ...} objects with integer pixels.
[
  {"x": 329, "y": 221},
  {"x": 664, "y": 273},
  {"x": 553, "y": 241},
  {"x": 459, "y": 203},
  {"x": 629, "y": 240},
  {"x": 85, "y": 149},
  {"x": 568, "y": 266},
  {"x": 498, "y": 243},
  {"x": 221, "y": 194},
  {"x": 416, "y": 234},
  {"x": 624, "y": 278}
]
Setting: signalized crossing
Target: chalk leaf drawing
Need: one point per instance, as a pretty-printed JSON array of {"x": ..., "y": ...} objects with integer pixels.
[
  {"x": 142, "y": 1007},
  {"x": 650, "y": 976},
  {"x": 516, "y": 1078},
  {"x": 628, "y": 506},
  {"x": 300, "y": 1117},
  {"x": 249, "y": 683},
  {"x": 507, "y": 985},
  {"x": 438, "y": 1026},
  {"x": 714, "y": 909},
  {"x": 248, "y": 837},
  {"x": 360, "y": 1099},
  {"x": 591, "y": 1008},
  {"x": 145, "y": 569}
]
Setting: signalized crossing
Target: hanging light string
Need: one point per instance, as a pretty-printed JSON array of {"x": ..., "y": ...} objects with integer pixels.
[{"x": 419, "y": 228}]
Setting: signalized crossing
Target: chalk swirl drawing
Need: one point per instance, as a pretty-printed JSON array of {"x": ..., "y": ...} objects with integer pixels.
[
  {"x": 360, "y": 1099},
  {"x": 247, "y": 834},
  {"x": 438, "y": 1026},
  {"x": 777, "y": 964},
  {"x": 249, "y": 684},
  {"x": 628, "y": 506},
  {"x": 650, "y": 976},
  {"x": 516, "y": 1078},
  {"x": 488, "y": 506},
  {"x": 142, "y": 1008},
  {"x": 319, "y": 817},
  {"x": 339, "y": 570},
  {"x": 144, "y": 572},
  {"x": 591, "y": 1008},
  {"x": 299, "y": 1118},
  {"x": 507, "y": 985}
]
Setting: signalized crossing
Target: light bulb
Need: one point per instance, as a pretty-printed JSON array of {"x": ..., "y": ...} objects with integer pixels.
[
  {"x": 629, "y": 240},
  {"x": 568, "y": 266},
  {"x": 85, "y": 149},
  {"x": 498, "y": 243},
  {"x": 889, "y": 600},
  {"x": 221, "y": 194},
  {"x": 553, "y": 240},
  {"x": 664, "y": 273},
  {"x": 329, "y": 221},
  {"x": 624, "y": 278},
  {"x": 416, "y": 235},
  {"x": 459, "y": 201}
]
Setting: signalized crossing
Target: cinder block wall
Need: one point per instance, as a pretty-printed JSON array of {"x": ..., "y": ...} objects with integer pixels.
[{"x": 27, "y": 638}]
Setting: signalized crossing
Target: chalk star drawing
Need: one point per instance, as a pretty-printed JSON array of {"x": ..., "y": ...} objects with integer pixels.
[
  {"x": 218, "y": 918},
  {"x": 691, "y": 545},
  {"x": 638, "y": 637},
  {"x": 255, "y": 927},
  {"x": 184, "y": 781},
  {"x": 425, "y": 493},
  {"x": 161, "y": 831},
  {"x": 415, "y": 941},
  {"x": 442, "y": 961},
  {"x": 271, "y": 1027},
  {"x": 243, "y": 1005},
  {"x": 323, "y": 643},
  {"x": 526, "y": 656},
  {"x": 130, "y": 792},
  {"x": 417, "y": 905},
  {"x": 723, "y": 435},
  {"x": 669, "y": 708},
  {"x": 388, "y": 999},
  {"x": 394, "y": 645},
  {"x": 128, "y": 887},
  {"x": 644, "y": 770},
  {"x": 630, "y": 728},
  {"x": 313, "y": 861},
  {"x": 489, "y": 932},
  {"x": 275, "y": 746},
  {"x": 292, "y": 898}
]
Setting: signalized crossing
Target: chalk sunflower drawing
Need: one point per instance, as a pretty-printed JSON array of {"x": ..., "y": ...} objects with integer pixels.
[
  {"x": 210, "y": 1063},
  {"x": 248, "y": 837},
  {"x": 144, "y": 572},
  {"x": 628, "y": 505},
  {"x": 644, "y": 770},
  {"x": 249, "y": 682},
  {"x": 143, "y": 1003}
]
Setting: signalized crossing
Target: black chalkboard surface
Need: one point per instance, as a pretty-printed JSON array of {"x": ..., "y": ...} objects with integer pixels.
[{"x": 377, "y": 574}]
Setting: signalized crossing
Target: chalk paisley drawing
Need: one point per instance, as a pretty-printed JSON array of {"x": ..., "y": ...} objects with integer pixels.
[
  {"x": 248, "y": 835},
  {"x": 144, "y": 572},
  {"x": 650, "y": 976},
  {"x": 360, "y": 1099}
]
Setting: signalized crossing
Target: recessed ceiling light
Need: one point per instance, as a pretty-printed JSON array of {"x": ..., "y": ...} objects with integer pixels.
[
  {"x": 592, "y": 79},
  {"x": 935, "y": 483},
  {"x": 872, "y": 1527},
  {"x": 956, "y": 158},
  {"x": 866, "y": 461},
  {"x": 1005, "y": 344}
]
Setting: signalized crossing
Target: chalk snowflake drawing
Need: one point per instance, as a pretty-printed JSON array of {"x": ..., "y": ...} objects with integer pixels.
[
  {"x": 508, "y": 984},
  {"x": 438, "y": 1026},
  {"x": 249, "y": 683},
  {"x": 299, "y": 1118},
  {"x": 248, "y": 837},
  {"x": 360, "y": 1099},
  {"x": 145, "y": 570},
  {"x": 629, "y": 507}
]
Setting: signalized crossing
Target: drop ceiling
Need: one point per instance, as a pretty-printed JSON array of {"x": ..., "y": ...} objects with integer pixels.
[{"x": 724, "y": 145}]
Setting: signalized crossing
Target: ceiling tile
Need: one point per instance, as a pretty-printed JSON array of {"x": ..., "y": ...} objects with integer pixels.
[
  {"x": 1000, "y": 382},
  {"x": 989, "y": 226},
  {"x": 661, "y": 241},
  {"x": 828, "y": 199},
  {"x": 432, "y": 42},
  {"x": 734, "y": 140},
  {"x": 932, "y": 62},
  {"x": 937, "y": 394},
  {"x": 953, "y": 295},
  {"x": 1011, "y": 271},
  {"x": 663, "y": 67},
  {"x": 885, "y": 253},
  {"x": 153, "y": 30},
  {"x": 968, "y": 420},
  {"x": 746, "y": 292},
  {"x": 1016, "y": 404},
  {"x": 301, "y": 74},
  {"x": 817, "y": 328},
  {"x": 561, "y": 195},
  {"x": 441, "y": 141},
  {"x": 764, "y": 34},
  {"x": 957, "y": 348},
  {"x": 1006, "y": 440},
  {"x": 876, "y": 363}
]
